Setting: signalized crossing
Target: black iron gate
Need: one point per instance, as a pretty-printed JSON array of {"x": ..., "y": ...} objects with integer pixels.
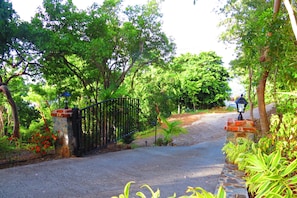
[{"x": 106, "y": 122}]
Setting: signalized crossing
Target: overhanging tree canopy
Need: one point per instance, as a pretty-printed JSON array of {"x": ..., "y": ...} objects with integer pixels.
[
  {"x": 17, "y": 55},
  {"x": 97, "y": 48}
]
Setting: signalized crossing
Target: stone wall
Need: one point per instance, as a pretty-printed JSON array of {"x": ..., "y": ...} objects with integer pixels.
[
  {"x": 63, "y": 125},
  {"x": 240, "y": 128}
]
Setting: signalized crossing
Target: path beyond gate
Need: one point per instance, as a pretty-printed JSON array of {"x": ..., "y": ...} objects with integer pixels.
[{"x": 106, "y": 122}]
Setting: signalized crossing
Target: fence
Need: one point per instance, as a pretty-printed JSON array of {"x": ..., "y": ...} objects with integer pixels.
[{"x": 106, "y": 122}]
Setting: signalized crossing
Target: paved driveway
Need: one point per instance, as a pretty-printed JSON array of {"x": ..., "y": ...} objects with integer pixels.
[{"x": 171, "y": 169}]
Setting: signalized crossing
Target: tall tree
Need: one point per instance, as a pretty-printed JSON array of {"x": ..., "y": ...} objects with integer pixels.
[
  {"x": 204, "y": 80},
  {"x": 261, "y": 40},
  {"x": 191, "y": 81},
  {"x": 100, "y": 46},
  {"x": 17, "y": 57}
]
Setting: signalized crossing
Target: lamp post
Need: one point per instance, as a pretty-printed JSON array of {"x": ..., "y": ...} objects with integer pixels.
[
  {"x": 66, "y": 95},
  {"x": 241, "y": 103}
]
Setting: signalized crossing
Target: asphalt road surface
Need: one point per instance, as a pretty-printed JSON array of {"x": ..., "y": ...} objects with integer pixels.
[{"x": 199, "y": 162}]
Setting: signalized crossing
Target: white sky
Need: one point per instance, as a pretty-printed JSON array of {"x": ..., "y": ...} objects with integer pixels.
[{"x": 193, "y": 27}]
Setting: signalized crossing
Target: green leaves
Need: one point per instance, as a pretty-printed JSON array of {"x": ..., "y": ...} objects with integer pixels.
[
  {"x": 291, "y": 168},
  {"x": 109, "y": 40},
  {"x": 267, "y": 175},
  {"x": 196, "y": 192},
  {"x": 203, "y": 79},
  {"x": 171, "y": 129},
  {"x": 126, "y": 192}
]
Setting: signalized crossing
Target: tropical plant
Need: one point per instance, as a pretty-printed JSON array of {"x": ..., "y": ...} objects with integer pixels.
[
  {"x": 265, "y": 49},
  {"x": 42, "y": 142},
  {"x": 6, "y": 144},
  {"x": 196, "y": 192},
  {"x": 271, "y": 163},
  {"x": 171, "y": 129},
  {"x": 271, "y": 175},
  {"x": 283, "y": 134},
  {"x": 234, "y": 151}
]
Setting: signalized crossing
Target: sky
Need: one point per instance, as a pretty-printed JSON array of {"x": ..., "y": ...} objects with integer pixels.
[{"x": 194, "y": 28}]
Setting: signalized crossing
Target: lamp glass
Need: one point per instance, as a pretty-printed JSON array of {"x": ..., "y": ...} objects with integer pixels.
[{"x": 240, "y": 107}]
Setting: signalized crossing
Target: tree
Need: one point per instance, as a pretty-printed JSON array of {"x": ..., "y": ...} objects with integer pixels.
[
  {"x": 100, "y": 46},
  {"x": 16, "y": 55},
  {"x": 289, "y": 6},
  {"x": 204, "y": 81},
  {"x": 262, "y": 43},
  {"x": 189, "y": 81}
]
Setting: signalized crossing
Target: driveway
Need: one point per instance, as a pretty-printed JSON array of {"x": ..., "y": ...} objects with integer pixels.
[{"x": 196, "y": 160}]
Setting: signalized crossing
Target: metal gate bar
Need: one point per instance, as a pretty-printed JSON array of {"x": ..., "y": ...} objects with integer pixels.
[{"x": 105, "y": 122}]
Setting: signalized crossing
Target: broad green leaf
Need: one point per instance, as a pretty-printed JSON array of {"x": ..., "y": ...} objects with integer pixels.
[
  {"x": 292, "y": 167},
  {"x": 273, "y": 177},
  {"x": 141, "y": 194},
  {"x": 154, "y": 194},
  {"x": 255, "y": 178},
  {"x": 264, "y": 188},
  {"x": 221, "y": 193},
  {"x": 127, "y": 189},
  {"x": 293, "y": 180},
  {"x": 276, "y": 157}
]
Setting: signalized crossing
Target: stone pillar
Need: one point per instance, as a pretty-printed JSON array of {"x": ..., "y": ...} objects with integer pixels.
[
  {"x": 240, "y": 128},
  {"x": 63, "y": 126}
]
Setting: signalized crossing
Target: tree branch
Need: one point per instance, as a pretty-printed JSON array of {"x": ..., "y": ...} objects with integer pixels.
[{"x": 292, "y": 16}]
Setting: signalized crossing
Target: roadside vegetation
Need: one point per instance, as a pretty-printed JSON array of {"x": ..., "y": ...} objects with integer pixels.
[
  {"x": 110, "y": 51},
  {"x": 94, "y": 55},
  {"x": 192, "y": 192}
]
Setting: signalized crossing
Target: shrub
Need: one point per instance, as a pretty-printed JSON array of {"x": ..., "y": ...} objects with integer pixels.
[
  {"x": 270, "y": 164},
  {"x": 127, "y": 139},
  {"x": 283, "y": 134},
  {"x": 196, "y": 192},
  {"x": 171, "y": 129},
  {"x": 43, "y": 142},
  {"x": 5, "y": 144}
]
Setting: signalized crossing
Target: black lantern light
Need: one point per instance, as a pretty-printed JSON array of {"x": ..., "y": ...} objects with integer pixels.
[
  {"x": 66, "y": 95},
  {"x": 241, "y": 103}
]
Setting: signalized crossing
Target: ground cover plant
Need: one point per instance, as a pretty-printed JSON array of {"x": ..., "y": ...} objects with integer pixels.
[
  {"x": 271, "y": 163},
  {"x": 193, "y": 192}
]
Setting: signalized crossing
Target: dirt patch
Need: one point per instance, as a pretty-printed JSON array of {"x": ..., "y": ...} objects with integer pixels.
[
  {"x": 24, "y": 157},
  {"x": 186, "y": 119}
]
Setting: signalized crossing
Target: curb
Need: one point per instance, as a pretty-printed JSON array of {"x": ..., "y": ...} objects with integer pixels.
[{"x": 231, "y": 179}]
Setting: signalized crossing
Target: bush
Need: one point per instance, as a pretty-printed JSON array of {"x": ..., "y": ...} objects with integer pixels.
[
  {"x": 271, "y": 164},
  {"x": 42, "y": 142},
  {"x": 171, "y": 129},
  {"x": 127, "y": 139},
  {"x": 5, "y": 144},
  {"x": 196, "y": 192}
]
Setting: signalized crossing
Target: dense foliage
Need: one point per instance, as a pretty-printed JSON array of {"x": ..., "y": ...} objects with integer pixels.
[
  {"x": 192, "y": 192},
  {"x": 190, "y": 82},
  {"x": 271, "y": 163},
  {"x": 90, "y": 52},
  {"x": 265, "y": 48},
  {"x": 103, "y": 52}
]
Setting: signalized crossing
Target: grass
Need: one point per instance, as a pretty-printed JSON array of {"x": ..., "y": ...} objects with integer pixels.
[{"x": 147, "y": 133}]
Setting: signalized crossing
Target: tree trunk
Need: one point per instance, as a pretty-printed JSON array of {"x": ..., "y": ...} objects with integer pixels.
[
  {"x": 250, "y": 92},
  {"x": 16, "y": 126},
  {"x": 261, "y": 103}
]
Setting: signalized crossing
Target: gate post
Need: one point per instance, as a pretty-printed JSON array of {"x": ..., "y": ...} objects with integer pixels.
[
  {"x": 62, "y": 119},
  {"x": 240, "y": 128}
]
